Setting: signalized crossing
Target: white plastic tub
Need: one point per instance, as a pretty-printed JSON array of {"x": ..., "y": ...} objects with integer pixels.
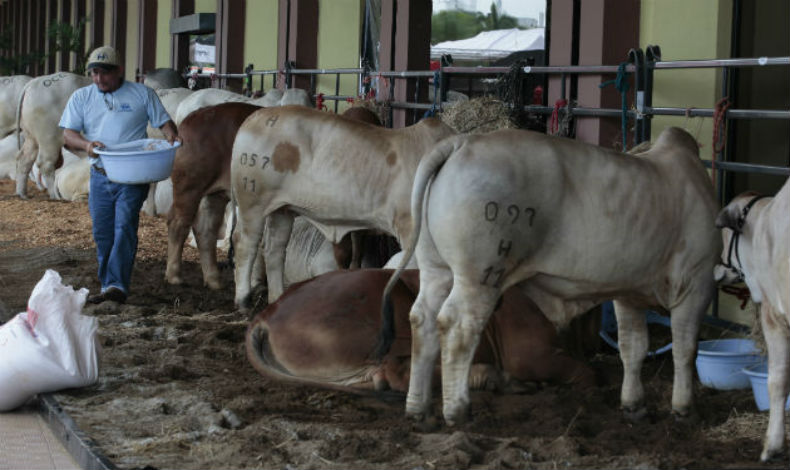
[{"x": 140, "y": 161}]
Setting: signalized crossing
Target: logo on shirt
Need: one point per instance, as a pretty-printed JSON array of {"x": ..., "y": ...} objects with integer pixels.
[{"x": 125, "y": 108}]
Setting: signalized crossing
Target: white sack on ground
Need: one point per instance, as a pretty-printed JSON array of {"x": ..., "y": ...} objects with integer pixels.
[{"x": 49, "y": 347}]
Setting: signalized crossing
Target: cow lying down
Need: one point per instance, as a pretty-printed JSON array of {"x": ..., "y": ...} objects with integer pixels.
[
  {"x": 756, "y": 233},
  {"x": 321, "y": 332}
]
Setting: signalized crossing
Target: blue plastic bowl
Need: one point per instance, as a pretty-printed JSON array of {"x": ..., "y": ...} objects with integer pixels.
[
  {"x": 758, "y": 376},
  {"x": 720, "y": 362}
]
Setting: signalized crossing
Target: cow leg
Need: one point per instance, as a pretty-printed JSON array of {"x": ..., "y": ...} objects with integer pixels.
[
  {"x": 434, "y": 286},
  {"x": 277, "y": 234},
  {"x": 686, "y": 321},
  {"x": 632, "y": 340},
  {"x": 24, "y": 163},
  {"x": 48, "y": 156},
  {"x": 461, "y": 322},
  {"x": 778, "y": 342},
  {"x": 250, "y": 229},
  {"x": 206, "y": 228},
  {"x": 179, "y": 221}
]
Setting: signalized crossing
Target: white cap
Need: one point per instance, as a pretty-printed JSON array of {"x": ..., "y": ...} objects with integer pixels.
[{"x": 104, "y": 57}]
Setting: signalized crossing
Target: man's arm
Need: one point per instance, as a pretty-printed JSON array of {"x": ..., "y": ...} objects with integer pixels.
[
  {"x": 171, "y": 132},
  {"x": 75, "y": 141}
]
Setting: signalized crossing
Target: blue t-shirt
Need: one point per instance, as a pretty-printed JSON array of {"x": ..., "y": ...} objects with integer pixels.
[{"x": 114, "y": 117}]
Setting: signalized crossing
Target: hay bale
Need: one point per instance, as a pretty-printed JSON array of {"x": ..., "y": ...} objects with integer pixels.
[{"x": 478, "y": 116}]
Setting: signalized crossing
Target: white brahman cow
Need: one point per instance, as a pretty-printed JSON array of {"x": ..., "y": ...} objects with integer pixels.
[
  {"x": 10, "y": 89},
  {"x": 8, "y": 151},
  {"x": 756, "y": 232},
  {"x": 72, "y": 180},
  {"x": 573, "y": 225},
  {"x": 342, "y": 175},
  {"x": 39, "y": 109}
]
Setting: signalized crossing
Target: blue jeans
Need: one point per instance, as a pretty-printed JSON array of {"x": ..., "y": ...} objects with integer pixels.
[{"x": 115, "y": 212}]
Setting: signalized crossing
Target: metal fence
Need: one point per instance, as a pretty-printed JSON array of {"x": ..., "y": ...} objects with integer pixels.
[{"x": 639, "y": 65}]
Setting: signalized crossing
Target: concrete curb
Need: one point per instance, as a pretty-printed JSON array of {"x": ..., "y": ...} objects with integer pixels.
[{"x": 81, "y": 447}]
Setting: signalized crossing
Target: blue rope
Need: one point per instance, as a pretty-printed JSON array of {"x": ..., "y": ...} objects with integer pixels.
[
  {"x": 621, "y": 84},
  {"x": 434, "y": 107}
]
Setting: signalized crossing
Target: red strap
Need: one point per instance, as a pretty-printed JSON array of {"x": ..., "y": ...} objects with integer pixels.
[{"x": 555, "y": 115}]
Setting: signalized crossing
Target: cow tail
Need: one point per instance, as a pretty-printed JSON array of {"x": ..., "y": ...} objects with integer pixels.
[
  {"x": 18, "y": 128},
  {"x": 428, "y": 168},
  {"x": 231, "y": 247}
]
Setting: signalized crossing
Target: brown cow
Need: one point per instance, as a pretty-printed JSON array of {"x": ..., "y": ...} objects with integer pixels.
[
  {"x": 201, "y": 184},
  {"x": 322, "y": 331},
  {"x": 201, "y": 172}
]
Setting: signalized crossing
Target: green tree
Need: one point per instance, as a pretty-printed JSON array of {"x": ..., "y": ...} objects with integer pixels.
[
  {"x": 449, "y": 25},
  {"x": 15, "y": 64},
  {"x": 68, "y": 38}
]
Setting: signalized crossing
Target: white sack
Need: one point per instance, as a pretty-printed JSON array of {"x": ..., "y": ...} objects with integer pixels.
[{"x": 49, "y": 347}]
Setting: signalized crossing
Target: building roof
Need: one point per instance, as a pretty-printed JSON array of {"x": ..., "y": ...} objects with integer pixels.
[{"x": 489, "y": 45}]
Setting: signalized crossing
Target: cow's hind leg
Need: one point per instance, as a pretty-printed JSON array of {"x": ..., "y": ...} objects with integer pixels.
[
  {"x": 25, "y": 159},
  {"x": 686, "y": 319},
  {"x": 179, "y": 220},
  {"x": 250, "y": 228},
  {"x": 434, "y": 286},
  {"x": 778, "y": 342},
  {"x": 278, "y": 232},
  {"x": 208, "y": 223},
  {"x": 461, "y": 321},
  {"x": 632, "y": 340}
]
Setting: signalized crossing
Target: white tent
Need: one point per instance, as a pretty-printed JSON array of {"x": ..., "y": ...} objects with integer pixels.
[{"x": 491, "y": 45}]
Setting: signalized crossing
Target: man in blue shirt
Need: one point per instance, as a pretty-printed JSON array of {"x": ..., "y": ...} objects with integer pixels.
[{"x": 109, "y": 112}]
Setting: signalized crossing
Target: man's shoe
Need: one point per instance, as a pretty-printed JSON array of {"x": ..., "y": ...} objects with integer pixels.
[
  {"x": 96, "y": 299},
  {"x": 114, "y": 294}
]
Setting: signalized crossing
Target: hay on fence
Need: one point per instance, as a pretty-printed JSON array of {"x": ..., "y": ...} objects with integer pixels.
[{"x": 478, "y": 116}]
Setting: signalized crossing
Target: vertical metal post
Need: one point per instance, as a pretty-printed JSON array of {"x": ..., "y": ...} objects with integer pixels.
[
  {"x": 337, "y": 89},
  {"x": 652, "y": 55},
  {"x": 637, "y": 58}
]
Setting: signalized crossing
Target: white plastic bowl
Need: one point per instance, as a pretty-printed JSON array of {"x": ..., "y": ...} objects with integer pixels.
[
  {"x": 720, "y": 362},
  {"x": 758, "y": 376},
  {"x": 140, "y": 161}
]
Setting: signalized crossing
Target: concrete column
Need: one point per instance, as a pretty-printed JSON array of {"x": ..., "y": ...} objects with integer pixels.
[
  {"x": 407, "y": 49},
  {"x": 229, "y": 37},
  {"x": 297, "y": 39},
  {"x": 607, "y": 31},
  {"x": 146, "y": 50},
  {"x": 179, "y": 43},
  {"x": 593, "y": 32}
]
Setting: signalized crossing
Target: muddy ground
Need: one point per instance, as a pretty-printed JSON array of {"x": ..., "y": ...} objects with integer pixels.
[{"x": 176, "y": 391}]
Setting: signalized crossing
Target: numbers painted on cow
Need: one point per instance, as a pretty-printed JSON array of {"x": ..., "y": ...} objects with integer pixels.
[
  {"x": 248, "y": 184},
  {"x": 492, "y": 276},
  {"x": 504, "y": 247},
  {"x": 251, "y": 160},
  {"x": 49, "y": 81},
  {"x": 512, "y": 211},
  {"x": 272, "y": 120}
]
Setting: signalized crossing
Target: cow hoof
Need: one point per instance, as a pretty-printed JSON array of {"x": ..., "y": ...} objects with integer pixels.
[
  {"x": 685, "y": 415},
  {"x": 429, "y": 424},
  {"x": 174, "y": 280},
  {"x": 635, "y": 413},
  {"x": 772, "y": 455},
  {"x": 22, "y": 196}
]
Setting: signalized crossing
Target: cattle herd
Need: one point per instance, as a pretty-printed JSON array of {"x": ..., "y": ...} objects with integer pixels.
[{"x": 514, "y": 233}]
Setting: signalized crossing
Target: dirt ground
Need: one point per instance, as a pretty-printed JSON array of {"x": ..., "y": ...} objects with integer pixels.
[{"x": 176, "y": 391}]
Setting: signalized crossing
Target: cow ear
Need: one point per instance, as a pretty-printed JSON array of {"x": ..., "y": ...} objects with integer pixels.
[{"x": 729, "y": 217}]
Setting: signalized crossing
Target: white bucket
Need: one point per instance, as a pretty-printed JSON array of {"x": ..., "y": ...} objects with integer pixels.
[{"x": 140, "y": 161}]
